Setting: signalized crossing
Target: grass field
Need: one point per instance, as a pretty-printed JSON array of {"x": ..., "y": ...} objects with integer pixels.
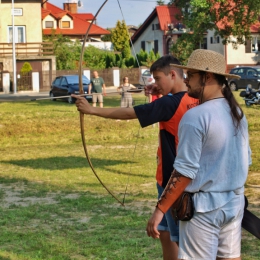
[{"x": 53, "y": 207}]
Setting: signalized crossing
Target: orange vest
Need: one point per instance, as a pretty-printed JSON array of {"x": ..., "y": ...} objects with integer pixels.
[{"x": 168, "y": 141}]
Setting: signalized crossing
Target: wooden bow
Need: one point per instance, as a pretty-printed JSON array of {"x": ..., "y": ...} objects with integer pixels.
[{"x": 82, "y": 115}]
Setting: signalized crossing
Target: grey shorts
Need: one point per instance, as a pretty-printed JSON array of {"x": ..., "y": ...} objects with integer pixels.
[
  {"x": 97, "y": 97},
  {"x": 213, "y": 234}
]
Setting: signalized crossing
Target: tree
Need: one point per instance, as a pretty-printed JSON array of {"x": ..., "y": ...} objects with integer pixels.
[
  {"x": 230, "y": 19},
  {"x": 150, "y": 59},
  {"x": 183, "y": 47},
  {"x": 26, "y": 68},
  {"x": 66, "y": 51},
  {"x": 160, "y": 2},
  {"x": 107, "y": 37},
  {"x": 95, "y": 58},
  {"x": 120, "y": 39}
]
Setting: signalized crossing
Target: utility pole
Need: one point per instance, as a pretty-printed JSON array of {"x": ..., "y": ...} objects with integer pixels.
[{"x": 14, "y": 59}]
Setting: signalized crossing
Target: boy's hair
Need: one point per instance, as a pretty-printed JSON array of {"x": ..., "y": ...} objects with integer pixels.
[{"x": 163, "y": 65}]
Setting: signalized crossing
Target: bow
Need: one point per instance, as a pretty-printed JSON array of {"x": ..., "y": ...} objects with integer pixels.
[{"x": 82, "y": 115}]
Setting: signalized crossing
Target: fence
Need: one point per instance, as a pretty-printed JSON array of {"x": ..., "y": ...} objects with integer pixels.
[
  {"x": 107, "y": 74},
  {"x": 25, "y": 83}
]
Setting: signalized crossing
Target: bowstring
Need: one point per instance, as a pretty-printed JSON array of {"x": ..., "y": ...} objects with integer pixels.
[{"x": 145, "y": 100}]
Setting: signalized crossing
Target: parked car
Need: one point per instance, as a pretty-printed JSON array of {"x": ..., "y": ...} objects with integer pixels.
[
  {"x": 249, "y": 76},
  {"x": 146, "y": 78},
  {"x": 67, "y": 85}
]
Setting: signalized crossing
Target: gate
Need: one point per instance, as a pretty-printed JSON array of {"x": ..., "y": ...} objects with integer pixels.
[{"x": 24, "y": 82}]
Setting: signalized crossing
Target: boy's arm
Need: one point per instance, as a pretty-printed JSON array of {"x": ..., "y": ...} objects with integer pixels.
[{"x": 113, "y": 113}]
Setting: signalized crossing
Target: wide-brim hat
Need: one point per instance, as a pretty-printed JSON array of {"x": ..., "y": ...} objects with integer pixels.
[{"x": 209, "y": 61}]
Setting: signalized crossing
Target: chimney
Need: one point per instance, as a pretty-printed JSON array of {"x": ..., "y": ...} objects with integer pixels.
[
  {"x": 71, "y": 6},
  {"x": 44, "y": 4}
]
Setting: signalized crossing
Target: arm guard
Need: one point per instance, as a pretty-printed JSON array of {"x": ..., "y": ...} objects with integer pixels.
[{"x": 174, "y": 188}]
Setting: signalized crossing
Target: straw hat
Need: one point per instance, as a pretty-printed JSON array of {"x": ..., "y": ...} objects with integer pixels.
[{"x": 209, "y": 61}]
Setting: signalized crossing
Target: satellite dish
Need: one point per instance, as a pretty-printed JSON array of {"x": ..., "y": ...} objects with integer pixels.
[{"x": 80, "y": 4}]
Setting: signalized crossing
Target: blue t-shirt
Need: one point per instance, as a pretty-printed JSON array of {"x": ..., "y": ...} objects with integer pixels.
[{"x": 213, "y": 153}]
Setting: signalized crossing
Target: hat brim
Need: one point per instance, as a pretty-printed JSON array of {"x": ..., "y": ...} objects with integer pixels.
[{"x": 223, "y": 74}]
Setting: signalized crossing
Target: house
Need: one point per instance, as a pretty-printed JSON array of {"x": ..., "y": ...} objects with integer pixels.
[
  {"x": 161, "y": 29},
  {"x": 69, "y": 22},
  {"x": 243, "y": 55},
  {"x": 28, "y": 45},
  {"x": 32, "y": 18}
]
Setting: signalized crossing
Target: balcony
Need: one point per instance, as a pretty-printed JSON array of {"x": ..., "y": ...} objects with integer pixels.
[{"x": 27, "y": 49}]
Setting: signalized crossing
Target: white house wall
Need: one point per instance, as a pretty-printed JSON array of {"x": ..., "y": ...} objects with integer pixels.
[
  {"x": 239, "y": 56},
  {"x": 218, "y": 47},
  {"x": 31, "y": 20},
  {"x": 149, "y": 36},
  {"x": 234, "y": 56}
]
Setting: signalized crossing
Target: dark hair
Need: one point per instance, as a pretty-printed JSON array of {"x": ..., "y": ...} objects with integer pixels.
[
  {"x": 163, "y": 64},
  {"x": 236, "y": 111}
]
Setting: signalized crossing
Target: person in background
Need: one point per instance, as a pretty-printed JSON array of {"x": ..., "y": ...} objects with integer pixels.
[
  {"x": 97, "y": 88},
  {"x": 207, "y": 166},
  {"x": 168, "y": 110},
  {"x": 126, "y": 97}
]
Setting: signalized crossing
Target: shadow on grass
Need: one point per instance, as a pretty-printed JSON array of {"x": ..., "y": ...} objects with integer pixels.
[{"x": 75, "y": 162}]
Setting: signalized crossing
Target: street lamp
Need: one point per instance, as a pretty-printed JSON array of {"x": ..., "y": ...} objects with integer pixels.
[{"x": 14, "y": 59}]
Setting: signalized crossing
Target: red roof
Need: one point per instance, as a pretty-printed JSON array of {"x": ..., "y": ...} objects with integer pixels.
[
  {"x": 167, "y": 15},
  {"x": 85, "y": 16},
  {"x": 80, "y": 22},
  {"x": 80, "y": 28},
  {"x": 56, "y": 11},
  {"x": 255, "y": 28}
]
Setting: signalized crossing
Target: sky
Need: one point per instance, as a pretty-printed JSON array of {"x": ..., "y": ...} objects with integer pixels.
[{"x": 134, "y": 11}]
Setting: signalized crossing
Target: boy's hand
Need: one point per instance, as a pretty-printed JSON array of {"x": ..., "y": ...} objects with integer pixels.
[
  {"x": 151, "y": 89},
  {"x": 82, "y": 104}
]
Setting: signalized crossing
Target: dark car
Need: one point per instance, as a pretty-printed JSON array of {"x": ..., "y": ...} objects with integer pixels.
[
  {"x": 69, "y": 84},
  {"x": 249, "y": 76}
]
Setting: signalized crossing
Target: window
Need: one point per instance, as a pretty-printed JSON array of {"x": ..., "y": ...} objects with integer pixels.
[
  {"x": 49, "y": 24},
  {"x": 149, "y": 46},
  {"x": 65, "y": 24},
  {"x": 251, "y": 72},
  {"x": 214, "y": 40},
  {"x": 19, "y": 34},
  {"x": 238, "y": 71},
  {"x": 143, "y": 45},
  {"x": 253, "y": 45},
  {"x": 156, "y": 46},
  {"x": 57, "y": 81},
  {"x": 248, "y": 46},
  {"x": 204, "y": 44},
  {"x": 155, "y": 26},
  {"x": 64, "y": 82}
]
